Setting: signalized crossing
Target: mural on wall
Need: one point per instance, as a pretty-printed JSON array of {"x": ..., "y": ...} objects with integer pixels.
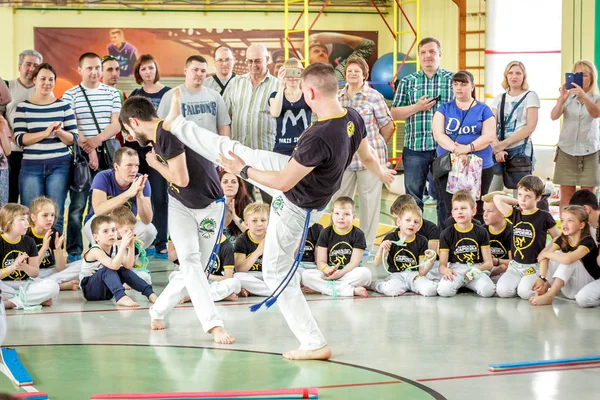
[{"x": 61, "y": 47}]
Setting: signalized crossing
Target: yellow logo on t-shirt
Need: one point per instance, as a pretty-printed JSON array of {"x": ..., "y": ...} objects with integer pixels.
[{"x": 350, "y": 128}]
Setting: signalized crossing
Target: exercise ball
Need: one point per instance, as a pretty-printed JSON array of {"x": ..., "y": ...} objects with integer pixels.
[{"x": 383, "y": 73}]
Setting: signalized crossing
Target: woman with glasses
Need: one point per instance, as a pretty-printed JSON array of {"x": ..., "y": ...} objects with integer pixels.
[
  {"x": 147, "y": 74},
  {"x": 44, "y": 126}
]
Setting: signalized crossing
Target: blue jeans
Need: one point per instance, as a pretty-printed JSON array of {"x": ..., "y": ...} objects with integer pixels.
[
  {"x": 417, "y": 165},
  {"x": 79, "y": 200},
  {"x": 51, "y": 180},
  {"x": 107, "y": 283}
]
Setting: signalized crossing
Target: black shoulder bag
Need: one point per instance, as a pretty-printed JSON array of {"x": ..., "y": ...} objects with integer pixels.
[
  {"x": 107, "y": 149},
  {"x": 518, "y": 166},
  {"x": 80, "y": 177}
]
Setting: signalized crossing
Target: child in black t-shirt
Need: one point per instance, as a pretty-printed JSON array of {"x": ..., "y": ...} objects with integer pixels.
[
  {"x": 339, "y": 253},
  {"x": 465, "y": 257},
  {"x": 589, "y": 202},
  {"x": 570, "y": 263},
  {"x": 249, "y": 247},
  {"x": 428, "y": 229},
  {"x": 500, "y": 232},
  {"x": 405, "y": 261},
  {"x": 308, "y": 256},
  {"x": 20, "y": 262},
  {"x": 530, "y": 226}
]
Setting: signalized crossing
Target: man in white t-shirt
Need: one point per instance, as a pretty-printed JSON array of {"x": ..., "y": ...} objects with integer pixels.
[
  {"x": 199, "y": 104},
  {"x": 105, "y": 107},
  {"x": 20, "y": 90}
]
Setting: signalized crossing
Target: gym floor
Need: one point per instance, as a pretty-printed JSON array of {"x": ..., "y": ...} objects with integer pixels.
[{"x": 409, "y": 347}]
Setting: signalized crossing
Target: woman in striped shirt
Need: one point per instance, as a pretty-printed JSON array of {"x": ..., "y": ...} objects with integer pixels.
[{"x": 44, "y": 126}]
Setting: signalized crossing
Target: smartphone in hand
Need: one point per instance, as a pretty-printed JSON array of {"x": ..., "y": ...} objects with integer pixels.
[{"x": 571, "y": 78}]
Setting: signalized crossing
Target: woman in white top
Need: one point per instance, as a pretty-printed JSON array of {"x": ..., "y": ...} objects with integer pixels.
[
  {"x": 577, "y": 150},
  {"x": 518, "y": 124}
]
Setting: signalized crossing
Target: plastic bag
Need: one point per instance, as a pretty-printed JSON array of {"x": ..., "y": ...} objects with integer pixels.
[{"x": 465, "y": 175}]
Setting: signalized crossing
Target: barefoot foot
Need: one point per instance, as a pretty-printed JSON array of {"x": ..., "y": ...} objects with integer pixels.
[
  {"x": 307, "y": 290},
  {"x": 157, "y": 324},
  {"x": 324, "y": 353},
  {"x": 543, "y": 300},
  {"x": 174, "y": 111},
  {"x": 220, "y": 335},
  {"x": 231, "y": 297},
  {"x": 244, "y": 293},
  {"x": 152, "y": 298},
  {"x": 185, "y": 299},
  {"x": 8, "y": 304},
  {"x": 126, "y": 286},
  {"x": 71, "y": 285},
  {"x": 47, "y": 303},
  {"x": 361, "y": 292},
  {"x": 126, "y": 301}
]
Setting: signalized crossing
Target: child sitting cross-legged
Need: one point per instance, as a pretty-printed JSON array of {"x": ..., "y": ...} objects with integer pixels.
[
  {"x": 500, "y": 232},
  {"x": 125, "y": 222},
  {"x": 404, "y": 250},
  {"x": 339, "y": 253},
  {"x": 465, "y": 255},
  {"x": 107, "y": 266}
]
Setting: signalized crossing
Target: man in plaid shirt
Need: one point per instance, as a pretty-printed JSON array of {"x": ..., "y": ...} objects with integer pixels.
[{"x": 416, "y": 100}]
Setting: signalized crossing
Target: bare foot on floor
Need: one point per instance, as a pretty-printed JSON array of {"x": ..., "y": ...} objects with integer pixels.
[
  {"x": 70, "y": 285},
  {"x": 126, "y": 301},
  {"x": 152, "y": 298},
  {"x": 307, "y": 290},
  {"x": 244, "y": 293},
  {"x": 185, "y": 299},
  {"x": 126, "y": 286},
  {"x": 231, "y": 297},
  {"x": 174, "y": 111},
  {"x": 361, "y": 292},
  {"x": 324, "y": 353},
  {"x": 8, "y": 304},
  {"x": 220, "y": 335},
  {"x": 47, "y": 303},
  {"x": 543, "y": 300},
  {"x": 157, "y": 324}
]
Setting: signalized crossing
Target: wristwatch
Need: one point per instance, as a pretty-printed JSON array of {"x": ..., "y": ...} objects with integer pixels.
[
  {"x": 542, "y": 277},
  {"x": 244, "y": 172}
]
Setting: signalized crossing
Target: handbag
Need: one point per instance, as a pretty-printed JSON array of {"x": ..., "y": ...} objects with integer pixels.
[
  {"x": 107, "y": 149},
  {"x": 518, "y": 166},
  {"x": 466, "y": 175},
  {"x": 80, "y": 176}
]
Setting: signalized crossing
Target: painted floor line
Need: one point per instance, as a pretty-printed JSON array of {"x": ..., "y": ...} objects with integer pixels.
[{"x": 347, "y": 385}]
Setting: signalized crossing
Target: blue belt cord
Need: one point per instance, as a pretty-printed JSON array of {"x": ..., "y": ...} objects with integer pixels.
[
  {"x": 212, "y": 260},
  {"x": 269, "y": 301}
]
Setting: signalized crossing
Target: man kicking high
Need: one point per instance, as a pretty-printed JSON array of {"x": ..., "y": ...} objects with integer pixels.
[
  {"x": 301, "y": 185},
  {"x": 196, "y": 208}
]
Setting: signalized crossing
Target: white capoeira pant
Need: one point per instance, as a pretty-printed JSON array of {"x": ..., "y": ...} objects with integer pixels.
[
  {"x": 31, "y": 292},
  {"x": 342, "y": 287},
  {"x": 2, "y": 323},
  {"x": 286, "y": 225},
  {"x": 575, "y": 277},
  {"x": 518, "y": 279},
  {"x": 482, "y": 284},
  {"x": 70, "y": 273},
  {"x": 146, "y": 233},
  {"x": 194, "y": 233},
  {"x": 589, "y": 296},
  {"x": 399, "y": 283},
  {"x": 254, "y": 283},
  {"x": 218, "y": 289}
]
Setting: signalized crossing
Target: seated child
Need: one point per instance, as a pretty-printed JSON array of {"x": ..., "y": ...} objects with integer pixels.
[
  {"x": 53, "y": 264},
  {"x": 589, "y": 202},
  {"x": 500, "y": 232},
  {"x": 339, "y": 253},
  {"x": 530, "y": 226},
  {"x": 403, "y": 260},
  {"x": 222, "y": 284},
  {"x": 106, "y": 266},
  {"x": 20, "y": 262},
  {"x": 569, "y": 264},
  {"x": 308, "y": 256},
  {"x": 249, "y": 247},
  {"x": 427, "y": 228},
  {"x": 465, "y": 251},
  {"x": 125, "y": 222}
]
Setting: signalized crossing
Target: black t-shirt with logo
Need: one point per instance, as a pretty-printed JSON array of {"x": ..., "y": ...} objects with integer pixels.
[
  {"x": 429, "y": 230},
  {"x": 328, "y": 145},
  {"x": 464, "y": 246},
  {"x": 450, "y": 221},
  {"x": 9, "y": 252},
  {"x": 589, "y": 260},
  {"x": 401, "y": 258},
  {"x": 339, "y": 247},
  {"x": 529, "y": 234},
  {"x": 204, "y": 186},
  {"x": 244, "y": 244},
  {"x": 46, "y": 260},
  {"x": 501, "y": 242},
  {"x": 225, "y": 258},
  {"x": 311, "y": 242}
]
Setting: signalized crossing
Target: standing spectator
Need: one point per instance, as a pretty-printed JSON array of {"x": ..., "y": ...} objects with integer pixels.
[
  {"x": 521, "y": 105},
  {"x": 4, "y": 93},
  {"x": 20, "y": 90},
  {"x": 199, "y": 104},
  {"x": 224, "y": 61},
  {"x": 247, "y": 99},
  {"x": 147, "y": 74},
  {"x": 111, "y": 74},
  {"x": 465, "y": 126},
  {"x": 288, "y": 106},
  {"x": 122, "y": 51},
  {"x": 105, "y": 107},
  {"x": 416, "y": 100},
  {"x": 379, "y": 124},
  {"x": 577, "y": 150},
  {"x": 44, "y": 127},
  {"x": 5, "y": 151},
  {"x": 236, "y": 200}
]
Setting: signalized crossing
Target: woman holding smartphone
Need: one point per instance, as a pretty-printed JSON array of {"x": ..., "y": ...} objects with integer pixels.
[
  {"x": 577, "y": 150},
  {"x": 44, "y": 126}
]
